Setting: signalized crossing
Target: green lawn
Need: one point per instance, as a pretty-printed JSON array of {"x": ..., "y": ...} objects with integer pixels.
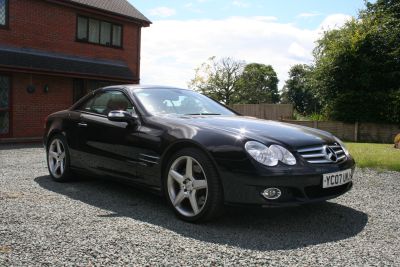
[{"x": 377, "y": 156}]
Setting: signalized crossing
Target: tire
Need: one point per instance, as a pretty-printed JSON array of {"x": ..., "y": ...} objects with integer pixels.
[
  {"x": 199, "y": 185},
  {"x": 58, "y": 159}
]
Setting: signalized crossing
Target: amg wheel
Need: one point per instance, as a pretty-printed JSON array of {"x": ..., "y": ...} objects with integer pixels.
[
  {"x": 58, "y": 158},
  {"x": 193, "y": 187}
]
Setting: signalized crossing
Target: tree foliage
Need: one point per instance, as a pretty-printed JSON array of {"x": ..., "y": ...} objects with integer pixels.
[
  {"x": 258, "y": 84},
  {"x": 232, "y": 81},
  {"x": 218, "y": 79},
  {"x": 299, "y": 90},
  {"x": 357, "y": 67}
]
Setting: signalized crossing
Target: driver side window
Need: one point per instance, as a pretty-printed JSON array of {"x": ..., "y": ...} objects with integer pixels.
[{"x": 108, "y": 101}]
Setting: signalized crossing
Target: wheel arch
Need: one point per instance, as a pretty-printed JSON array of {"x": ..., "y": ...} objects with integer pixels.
[{"x": 52, "y": 133}]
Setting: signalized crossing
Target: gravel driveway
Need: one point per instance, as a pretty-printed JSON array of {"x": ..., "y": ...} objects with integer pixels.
[{"x": 90, "y": 222}]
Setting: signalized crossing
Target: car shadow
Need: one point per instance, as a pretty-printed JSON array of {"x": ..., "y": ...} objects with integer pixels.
[{"x": 248, "y": 228}]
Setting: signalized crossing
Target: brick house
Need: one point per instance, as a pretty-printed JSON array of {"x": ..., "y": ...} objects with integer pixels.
[{"x": 52, "y": 52}]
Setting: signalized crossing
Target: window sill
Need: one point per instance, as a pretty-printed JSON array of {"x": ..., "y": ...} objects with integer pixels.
[{"x": 96, "y": 44}]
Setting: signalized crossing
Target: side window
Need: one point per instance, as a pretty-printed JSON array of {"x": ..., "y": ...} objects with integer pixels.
[
  {"x": 108, "y": 101},
  {"x": 87, "y": 106}
]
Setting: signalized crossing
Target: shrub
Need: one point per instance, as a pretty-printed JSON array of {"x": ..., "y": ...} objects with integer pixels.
[{"x": 397, "y": 141}]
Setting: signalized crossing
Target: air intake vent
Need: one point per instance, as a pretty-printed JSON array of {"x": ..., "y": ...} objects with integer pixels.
[{"x": 323, "y": 154}]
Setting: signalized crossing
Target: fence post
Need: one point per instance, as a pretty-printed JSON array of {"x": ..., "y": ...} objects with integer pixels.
[
  {"x": 315, "y": 124},
  {"x": 356, "y": 132}
]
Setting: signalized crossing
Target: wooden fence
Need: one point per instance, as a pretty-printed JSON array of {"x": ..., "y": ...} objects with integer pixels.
[
  {"x": 356, "y": 132},
  {"x": 265, "y": 111}
]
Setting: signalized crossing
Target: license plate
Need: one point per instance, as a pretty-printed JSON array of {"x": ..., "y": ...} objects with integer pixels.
[{"x": 336, "y": 178}]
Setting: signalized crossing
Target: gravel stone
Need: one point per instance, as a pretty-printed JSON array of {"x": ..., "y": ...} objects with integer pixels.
[{"x": 91, "y": 222}]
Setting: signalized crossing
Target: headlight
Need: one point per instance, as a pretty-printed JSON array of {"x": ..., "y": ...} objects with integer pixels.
[
  {"x": 283, "y": 154},
  {"x": 346, "y": 152},
  {"x": 269, "y": 156}
]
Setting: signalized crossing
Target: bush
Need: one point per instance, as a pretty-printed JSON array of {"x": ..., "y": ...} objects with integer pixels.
[
  {"x": 356, "y": 67},
  {"x": 397, "y": 141}
]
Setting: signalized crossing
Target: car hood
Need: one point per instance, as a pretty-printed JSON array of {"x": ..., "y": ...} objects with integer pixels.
[{"x": 262, "y": 130}]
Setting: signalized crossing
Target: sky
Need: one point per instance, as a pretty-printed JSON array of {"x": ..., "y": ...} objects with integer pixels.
[{"x": 281, "y": 33}]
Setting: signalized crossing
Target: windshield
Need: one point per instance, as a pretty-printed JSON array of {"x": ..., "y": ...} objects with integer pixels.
[{"x": 180, "y": 102}]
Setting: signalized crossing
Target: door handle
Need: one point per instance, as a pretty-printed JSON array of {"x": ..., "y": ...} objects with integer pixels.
[{"x": 82, "y": 124}]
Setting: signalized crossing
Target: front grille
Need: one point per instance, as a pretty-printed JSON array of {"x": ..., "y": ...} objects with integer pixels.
[{"x": 320, "y": 154}]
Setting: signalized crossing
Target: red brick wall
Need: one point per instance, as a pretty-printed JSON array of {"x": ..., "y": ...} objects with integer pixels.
[
  {"x": 30, "y": 110},
  {"x": 47, "y": 26}
]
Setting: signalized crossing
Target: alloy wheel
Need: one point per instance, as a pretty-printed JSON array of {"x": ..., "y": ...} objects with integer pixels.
[
  {"x": 56, "y": 158},
  {"x": 187, "y": 186}
]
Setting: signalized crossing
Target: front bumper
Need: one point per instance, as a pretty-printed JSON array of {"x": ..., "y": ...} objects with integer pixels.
[{"x": 300, "y": 186}]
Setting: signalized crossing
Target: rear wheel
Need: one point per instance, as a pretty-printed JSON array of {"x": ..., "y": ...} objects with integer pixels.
[
  {"x": 58, "y": 158},
  {"x": 193, "y": 187}
]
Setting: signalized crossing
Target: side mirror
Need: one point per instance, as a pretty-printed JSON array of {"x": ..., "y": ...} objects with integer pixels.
[{"x": 122, "y": 116}]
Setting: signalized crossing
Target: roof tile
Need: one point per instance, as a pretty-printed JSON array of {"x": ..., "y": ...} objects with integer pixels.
[
  {"x": 24, "y": 58},
  {"x": 122, "y": 7}
]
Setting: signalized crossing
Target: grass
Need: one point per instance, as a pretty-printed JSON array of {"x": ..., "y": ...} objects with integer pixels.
[{"x": 377, "y": 156}]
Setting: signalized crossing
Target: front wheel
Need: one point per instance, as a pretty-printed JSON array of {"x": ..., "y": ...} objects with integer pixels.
[
  {"x": 193, "y": 187},
  {"x": 58, "y": 158}
]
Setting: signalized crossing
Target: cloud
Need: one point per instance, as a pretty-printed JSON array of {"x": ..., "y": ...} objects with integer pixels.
[
  {"x": 242, "y": 4},
  {"x": 308, "y": 15},
  {"x": 172, "y": 49},
  {"x": 192, "y": 8},
  {"x": 298, "y": 51},
  {"x": 162, "y": 12},
  {"x": 334, "y": 21}
]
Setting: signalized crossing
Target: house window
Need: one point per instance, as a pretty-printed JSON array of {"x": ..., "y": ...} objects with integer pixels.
[
  {"x": 82, "y": 30},
  {"x": 5, "y": 87},
  {"x": 94, "y": 31},
  {"x": 3, "y": 12},
  {"x": 117, "y": 35},
  {"x": 98, "y": 32},
  {"x": 105, "y": 34}
]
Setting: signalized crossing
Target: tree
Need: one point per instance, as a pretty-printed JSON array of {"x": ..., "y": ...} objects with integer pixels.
[
  {"x": 357, "y": 67},
  {"x": 298, "y": 90},
  {"x": 258, "y": 84},
  {"x": 218, "y": 79}
]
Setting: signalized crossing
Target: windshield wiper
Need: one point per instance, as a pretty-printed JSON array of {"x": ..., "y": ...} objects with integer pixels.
[{"x": 193, "y": 114}]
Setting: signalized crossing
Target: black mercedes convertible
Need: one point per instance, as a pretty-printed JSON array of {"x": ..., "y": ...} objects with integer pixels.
[{"x": 197, "y": 152}]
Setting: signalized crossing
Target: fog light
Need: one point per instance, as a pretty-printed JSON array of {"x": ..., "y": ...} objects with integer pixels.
[{"x": 271, "y": 193}]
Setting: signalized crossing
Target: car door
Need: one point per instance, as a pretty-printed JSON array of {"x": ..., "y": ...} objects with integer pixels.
[{"x": 106, "y": 147}]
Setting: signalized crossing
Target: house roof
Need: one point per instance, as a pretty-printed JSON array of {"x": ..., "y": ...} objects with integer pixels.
[
  {"x": 61, "y": 64},
  {"x": 121, "y": 7}
]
